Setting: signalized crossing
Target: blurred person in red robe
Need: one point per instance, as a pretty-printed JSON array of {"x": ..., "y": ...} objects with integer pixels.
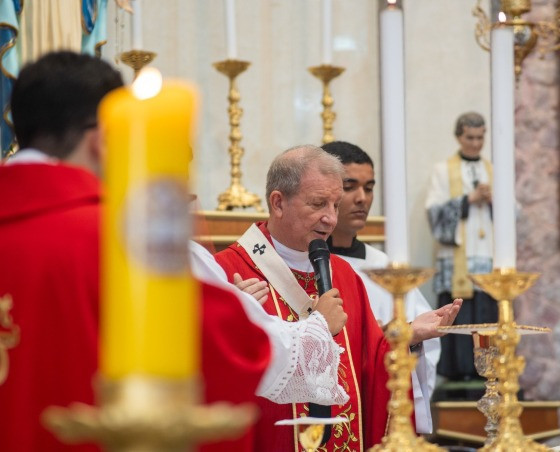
[{"x": 49, "y": 243}]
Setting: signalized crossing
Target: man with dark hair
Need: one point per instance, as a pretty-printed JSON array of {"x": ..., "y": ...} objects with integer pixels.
[
  {"x": 49, "y": 218},
  {"x": 49, "y": 243},
  {"x": 357, "y": 198},
  {"x": 459, "y": 208}
]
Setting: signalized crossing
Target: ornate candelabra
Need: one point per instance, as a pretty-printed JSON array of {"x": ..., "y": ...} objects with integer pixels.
[
  {"x": 236, "y": 195},
  {"x": 9, "y": 338},
  {"x": 401, "y": 437},
  {"x": 144, "y": 414},
  {"x": 527, "y": 35},
  {"x": 504, "y": 285},
  {"x": 325, "y": 73},
  {"x": 137, "y": 59}
]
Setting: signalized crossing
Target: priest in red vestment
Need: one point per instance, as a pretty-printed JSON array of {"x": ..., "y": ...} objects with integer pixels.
[
  {"x": 304, "y": 189},
  {"x": 49, "y": 243}
]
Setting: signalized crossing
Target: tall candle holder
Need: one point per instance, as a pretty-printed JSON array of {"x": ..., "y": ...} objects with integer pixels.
[
  {"x": 504, "y": 284},
  {"x": 137, "y": 59},
  {"x": 325, "y": 73},
  {"x": 399, "y": 279},
  {"x": 236, "y": 196},
  {"x": 145, "y": 414}
]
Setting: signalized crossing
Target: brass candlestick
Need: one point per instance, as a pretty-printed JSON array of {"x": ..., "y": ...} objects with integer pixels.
[
  {"x": 137, "y": 59},
  {"x": 401, "y": 437},
  {"x": 326, "y": 73},
  {"x": 504, "y": 285},
  {"x": 144, "y": 414},
  {"x": 236, "y": 195},
  {"x": 9, "y": 338}
]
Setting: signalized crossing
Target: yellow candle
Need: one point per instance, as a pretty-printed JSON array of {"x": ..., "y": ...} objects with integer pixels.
[{"x": 150, "y": 303}]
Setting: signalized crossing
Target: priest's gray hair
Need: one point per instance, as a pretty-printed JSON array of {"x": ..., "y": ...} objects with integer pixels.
[
  {"x": 287, "y": 169},
  {"x": 469, "y": 119}
]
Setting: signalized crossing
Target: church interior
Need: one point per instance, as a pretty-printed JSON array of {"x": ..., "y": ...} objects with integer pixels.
[{"x": 274, "y": 74}]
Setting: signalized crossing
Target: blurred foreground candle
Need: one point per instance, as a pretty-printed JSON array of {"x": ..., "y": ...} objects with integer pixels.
[
  {"x": 503, "y": 145},
  {"x": 393, "y": 133},
  {"x": 150, "y": 303}
]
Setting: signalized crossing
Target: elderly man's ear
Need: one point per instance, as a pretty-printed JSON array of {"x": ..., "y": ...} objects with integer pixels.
[
  {"x": 96, "y": 148},
  {"x": 277, "y": 204}
]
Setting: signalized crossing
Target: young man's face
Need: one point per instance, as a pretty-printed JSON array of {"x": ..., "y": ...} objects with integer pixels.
[
  {"x": 357, "y": 198},
  {"x": 472, "y": 140}
]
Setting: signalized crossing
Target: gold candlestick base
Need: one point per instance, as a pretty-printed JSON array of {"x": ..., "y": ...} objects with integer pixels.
[
  {"x": 310, "y": 436},
  {"x": 504, "y": 285},
  {"x": 9, "y": 338},
  {"x": 148, "y": 414},
  {"x": 236, "y": 196},
  {"x": 399, "y": 279},
  {"x": 326, "y": 73},
  {"x": 137, "y": 59}
]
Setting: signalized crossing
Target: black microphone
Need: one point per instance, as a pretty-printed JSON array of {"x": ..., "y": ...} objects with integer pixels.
[{"x": 319, "y": 255}]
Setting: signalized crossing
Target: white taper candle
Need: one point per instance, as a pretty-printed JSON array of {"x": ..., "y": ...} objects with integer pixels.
[
  {"x": 393, "y": 134},
  {"x": 231, "y": 36},
  {"x": 136, "y": 26},
  {"x": 327, "y": 31},
  {"x": 503, "y": 146}
]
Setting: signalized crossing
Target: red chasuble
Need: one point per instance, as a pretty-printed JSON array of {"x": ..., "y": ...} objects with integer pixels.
[
  {"x": 49, "y": 239},
  {"x": 361, "y": 372}
]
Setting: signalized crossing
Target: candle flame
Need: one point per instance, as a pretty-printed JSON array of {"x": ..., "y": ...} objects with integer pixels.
[
  {"x": 147, "y": 84},
  {"x": 501, "y": 17}
]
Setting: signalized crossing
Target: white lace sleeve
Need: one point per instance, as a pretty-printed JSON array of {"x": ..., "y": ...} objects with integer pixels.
[
  {"x": 312, "y": 373},
  {"x": 305, "y": 358}
]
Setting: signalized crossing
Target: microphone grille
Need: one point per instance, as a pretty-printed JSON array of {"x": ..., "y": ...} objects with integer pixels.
[{"x": 318, "y": 248}]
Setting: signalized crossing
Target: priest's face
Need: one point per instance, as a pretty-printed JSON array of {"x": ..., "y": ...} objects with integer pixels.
[
  {"x": 472, "y": 140},
  {"x": 356, "y": 201},
  {"x": 309, "y": 214}
]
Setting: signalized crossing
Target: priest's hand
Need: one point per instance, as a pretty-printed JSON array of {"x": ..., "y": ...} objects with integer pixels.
[
  {"x": 330, "y": 306},
  {"x": 425, "y": 325},
  {"x": 253, "y": 286},
  {"x": 480, "y": 195}
]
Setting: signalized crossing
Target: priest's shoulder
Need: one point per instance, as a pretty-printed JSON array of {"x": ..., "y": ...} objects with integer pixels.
[
  {"x": 231, "y": 253},
  {"x": 376, "y": 257},
  {"x": 340, "y": 264},
  {"x": 219, "y": 296}
]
